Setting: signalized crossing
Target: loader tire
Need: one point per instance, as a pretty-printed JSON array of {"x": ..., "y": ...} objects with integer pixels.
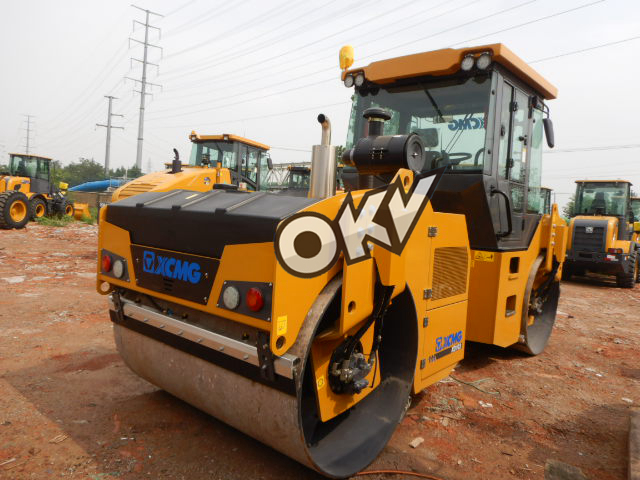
[
  {"x": 628, "y": 280},
  {"x": 567, "y": 273},
  {"x": 38, "y": 208},
  {"x": 14, "y": 210}
]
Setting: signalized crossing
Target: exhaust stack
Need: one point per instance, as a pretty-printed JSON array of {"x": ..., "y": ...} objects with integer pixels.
[{"x": 323, "y": 163}]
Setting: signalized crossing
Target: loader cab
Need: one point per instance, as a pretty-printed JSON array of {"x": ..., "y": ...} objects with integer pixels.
[
  {"x": 299, "y": 178},
  {"x": 32, "y": 167},
  {"x": 635, "y": 208},
  {"x": 479, "y": 113},
  {"x": 247, "y": 161},
  {"x": 603, "y": 198}
]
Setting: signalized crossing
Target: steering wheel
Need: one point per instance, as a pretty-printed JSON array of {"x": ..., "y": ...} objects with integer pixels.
[
  {"x": 477, "y": 156},
  {"x": 453, "y": 158}
]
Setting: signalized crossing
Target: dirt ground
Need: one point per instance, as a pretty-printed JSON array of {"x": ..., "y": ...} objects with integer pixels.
[{"x": 70, "y": 408}]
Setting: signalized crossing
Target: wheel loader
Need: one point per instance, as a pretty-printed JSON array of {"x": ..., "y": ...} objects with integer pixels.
[
  {"x": 307, "y": 322},
  {"x": 601, "y": 232},
  {"x": 215, "y": 159},
  {"x": 27, "y": 192},
  {"x": 635, "y": 209}
]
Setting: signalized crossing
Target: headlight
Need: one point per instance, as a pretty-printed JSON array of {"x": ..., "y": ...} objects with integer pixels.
[
  {"x": 359, "y": 80},
  {"x": 467, "y": 63},
  {"x": 483, "y": 61},
  {"x": 348, "y": 81}
]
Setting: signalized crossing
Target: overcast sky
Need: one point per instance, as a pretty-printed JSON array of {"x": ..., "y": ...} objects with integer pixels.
[{"x": 265, "y": 69}]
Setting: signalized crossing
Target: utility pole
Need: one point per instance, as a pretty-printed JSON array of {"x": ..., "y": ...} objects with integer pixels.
[
  {"x": 108, "y": 126},
  {"x": 28, "y": 137},
  {"x": 143, "y": 81}
]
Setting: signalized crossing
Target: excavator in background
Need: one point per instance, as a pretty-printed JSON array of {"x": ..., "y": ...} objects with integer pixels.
[
  {"x": 27, "y": 191},
  {"x": 225, "y": 159},
  {"x": 601, "y": 232},
  {"x": 307, "y": 322}
]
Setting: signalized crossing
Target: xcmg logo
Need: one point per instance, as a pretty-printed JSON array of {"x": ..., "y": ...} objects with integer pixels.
[
  {"x": 449, "y": 341},
  {"x": 170, "y": 267},
  {"x": 466, "y": 124}
]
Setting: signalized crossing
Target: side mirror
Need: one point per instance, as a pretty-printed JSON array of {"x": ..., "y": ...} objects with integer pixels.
[
  {"x": 548, "y": 132},
  {"x": 269, "y": 162}
]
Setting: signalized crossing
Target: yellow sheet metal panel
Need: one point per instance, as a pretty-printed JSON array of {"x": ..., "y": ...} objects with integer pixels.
[
  {"x": 447, "y": 62},
  {"x": 358, "y": 283},
  {"x": 497, "y": 286},
  {"x": 444, "y": 341},
  {"x": 448, "y": 276},
  {"x": 329, "y": 403}
]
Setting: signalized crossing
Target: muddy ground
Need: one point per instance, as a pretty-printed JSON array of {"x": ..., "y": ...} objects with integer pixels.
[{"x": 70, "y": 408}]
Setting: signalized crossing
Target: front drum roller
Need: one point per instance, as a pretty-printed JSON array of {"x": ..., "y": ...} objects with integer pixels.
[
  {"x": 538, "y": 311},
  {"x": 290, "y": 423}
]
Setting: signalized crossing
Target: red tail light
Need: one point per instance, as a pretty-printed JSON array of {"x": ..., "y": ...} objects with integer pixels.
[
  {"x": 106, "y": 263},
  {"x": 255, "y": 299},
  {"x": 614, "y": 250}
]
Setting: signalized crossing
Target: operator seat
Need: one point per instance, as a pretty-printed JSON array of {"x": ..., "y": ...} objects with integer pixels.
[{"x": 599, "y": 203}]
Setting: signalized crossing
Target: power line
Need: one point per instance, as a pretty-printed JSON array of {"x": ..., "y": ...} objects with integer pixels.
[
  {"x": 259, "y": 117},
  {"x": 617, "y": 42},
  {"x": 533, "y": 21},
  {"x": 332, "y": 78},
  {"x": 592, "y": 149}
]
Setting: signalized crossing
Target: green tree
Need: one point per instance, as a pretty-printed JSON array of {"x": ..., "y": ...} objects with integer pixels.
[
  {"x": 134, "y": 172},
  {"x": 567, "y": 210},
  {"x": 84, "y": 170}
]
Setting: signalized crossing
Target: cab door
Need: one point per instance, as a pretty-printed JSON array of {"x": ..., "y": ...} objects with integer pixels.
[{"x": 514, "y": 138}]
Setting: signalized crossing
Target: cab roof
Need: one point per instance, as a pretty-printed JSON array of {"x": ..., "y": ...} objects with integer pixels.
[
  {"x": 227, "y": 137},
  {"x": 447, "y": 62},
  {"x": 29, "y": 155},
  {"x": 604, "y": 181}
]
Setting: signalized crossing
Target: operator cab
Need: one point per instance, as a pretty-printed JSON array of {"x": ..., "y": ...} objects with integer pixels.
[
  {"x": 603, "y": 198},
  {"x": 479, "y": 112},
  {"x": 33, "y": 167},
  {"x": 248, "y": 161},
  {"x": 635, "y": 208}
]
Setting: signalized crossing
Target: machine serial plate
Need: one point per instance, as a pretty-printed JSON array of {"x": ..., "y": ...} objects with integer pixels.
[{"x": 177, "y": 274}]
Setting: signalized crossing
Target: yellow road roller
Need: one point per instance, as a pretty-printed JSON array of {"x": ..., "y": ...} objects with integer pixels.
[
  {"x": 307, "y": 322},
  {"x": 215, "y": 159}
]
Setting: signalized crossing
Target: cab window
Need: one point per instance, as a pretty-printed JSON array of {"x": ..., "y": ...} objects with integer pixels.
[
  {"x": 251, "y": 165},
  {"x": 536, "y": 195},
  {"x": 264, "y": 170}
]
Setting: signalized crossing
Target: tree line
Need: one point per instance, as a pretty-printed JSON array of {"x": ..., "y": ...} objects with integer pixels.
[{"x": 84, "y": 170}]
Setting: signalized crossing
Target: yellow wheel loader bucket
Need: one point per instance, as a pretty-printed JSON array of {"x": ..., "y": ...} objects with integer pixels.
[{"x": 81, "y": 211}]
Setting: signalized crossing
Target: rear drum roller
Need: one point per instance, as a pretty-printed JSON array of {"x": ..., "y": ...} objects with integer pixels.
[
  {"x": 539, "y": 310},
  {"x": 289, "y": 422}
]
